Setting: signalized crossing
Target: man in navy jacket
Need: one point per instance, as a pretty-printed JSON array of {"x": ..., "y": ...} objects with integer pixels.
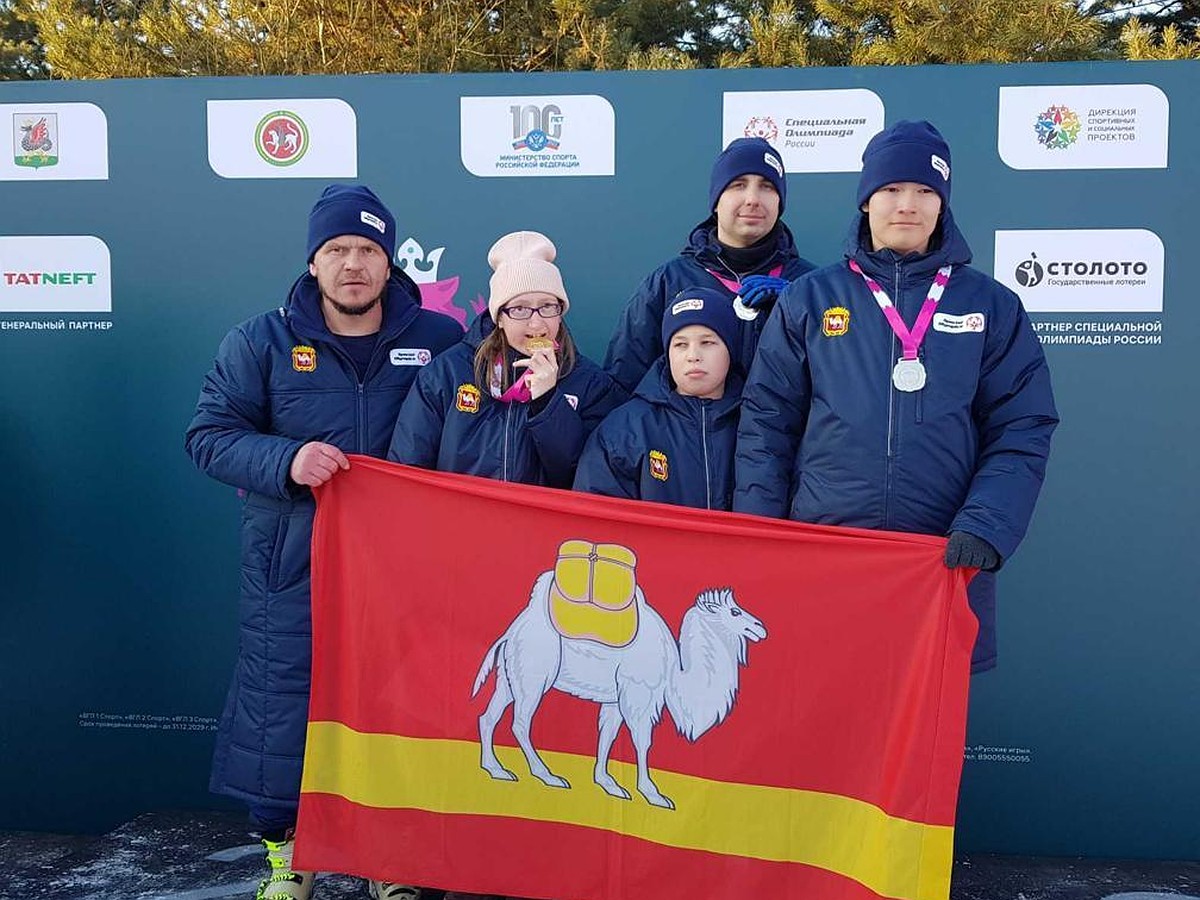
[
  {"x": 900, "y": 388},
  {"x": 742, "y": 238},
  {"x": 290, "y": 393}
]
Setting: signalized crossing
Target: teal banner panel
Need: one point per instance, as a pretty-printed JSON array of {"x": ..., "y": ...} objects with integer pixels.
[{"x": 140, "y": 220}]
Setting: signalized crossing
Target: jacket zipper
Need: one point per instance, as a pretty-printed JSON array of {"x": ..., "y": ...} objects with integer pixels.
[
  {"x": 507, "y": 420},
  {"x": 704, "y": 447}
]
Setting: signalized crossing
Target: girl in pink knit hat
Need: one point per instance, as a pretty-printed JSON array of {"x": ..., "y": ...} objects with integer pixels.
[{"x": 515, "y": 400}]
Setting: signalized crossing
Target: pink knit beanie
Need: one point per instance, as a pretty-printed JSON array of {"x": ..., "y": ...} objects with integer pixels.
[{"x": 523, "y": 262}]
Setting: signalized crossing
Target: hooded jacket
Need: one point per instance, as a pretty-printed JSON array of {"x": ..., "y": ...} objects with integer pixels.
[
  {"x": 637, "y": 342},
  {"x": 665, "y": 447},
  {"x": 279, "y": 381},
  {"x": 826, "y": 438},
  {"x": 450, "y": 424}
]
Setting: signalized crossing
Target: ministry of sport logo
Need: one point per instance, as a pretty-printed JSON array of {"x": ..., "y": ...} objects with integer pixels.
[
  {"x": 35, "y": 139},
  {"x": 536, "y": 128},
  {"x": 1029, "y": 272},
  {"x": 1057, "y": 128},
  {"x": 281, "y": 138},
  {"x": 762, "y": 127}
]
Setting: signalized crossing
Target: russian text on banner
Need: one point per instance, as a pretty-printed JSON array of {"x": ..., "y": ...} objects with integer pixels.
[{"x": 495, "y": 666}]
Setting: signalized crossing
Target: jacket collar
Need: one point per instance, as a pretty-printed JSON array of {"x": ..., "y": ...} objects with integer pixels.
[
  {"x": 658, "y": 389},
  {"x": 949, "y": 247},
  {"x": 401, "y": 305},
  {"x": 704, "y": 247}
]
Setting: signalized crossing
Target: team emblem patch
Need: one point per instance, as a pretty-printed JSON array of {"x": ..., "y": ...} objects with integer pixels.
[
  {"x": 304, "y": 358},
  {"x": 658, "y": 465},
  {"x": 468, "y": 398},
  {"x": 836, "y": 321}
]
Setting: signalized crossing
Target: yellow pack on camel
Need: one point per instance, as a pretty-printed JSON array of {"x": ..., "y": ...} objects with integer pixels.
[{"x": 593, "y": 593}]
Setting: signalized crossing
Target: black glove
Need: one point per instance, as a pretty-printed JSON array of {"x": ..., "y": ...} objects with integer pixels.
[
  {"x": 761, "y": 291},
  {"x": 966, "y": 550}
]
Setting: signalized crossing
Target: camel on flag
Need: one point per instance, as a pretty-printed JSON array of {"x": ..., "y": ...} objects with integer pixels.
[{"x": 543, "y": 694}]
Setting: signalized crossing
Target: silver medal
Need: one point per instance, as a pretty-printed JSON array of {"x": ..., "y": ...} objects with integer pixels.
[
  {"x": 742, "y": 311},
  {"x": 908, "y": 375}
]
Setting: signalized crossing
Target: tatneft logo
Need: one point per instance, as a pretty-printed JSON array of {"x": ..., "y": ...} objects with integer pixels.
[
  {"x": 814, "y": 131},
  {"x": 54, "y": 274},
  {"x": 1092, "y": 126},
  {"x": 294, "y": 138},
  {"x": 1086, "y": 270},
  {"x": 529, "y": 136},
  {"x": 55, "y": 142},
  {"x": 33, "y": 279}
]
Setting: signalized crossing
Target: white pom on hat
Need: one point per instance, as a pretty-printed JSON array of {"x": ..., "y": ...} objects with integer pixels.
[{"x": 522, "y": 263}]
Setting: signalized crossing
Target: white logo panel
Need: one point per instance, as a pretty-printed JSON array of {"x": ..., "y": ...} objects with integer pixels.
[
  {"x": 815, "y": 131},
  {"x": 288, "y": 138},
  {"x": 1094, "y": 126},
  {"x": 507, "y": 137},
  {"x": 61, "y": 273},
  {"x": 1084, "y": 270},
  {"x": 54, "y": 142}
]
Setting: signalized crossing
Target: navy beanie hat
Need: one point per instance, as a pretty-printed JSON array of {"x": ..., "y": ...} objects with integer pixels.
[
  {"x": 350, "y": 209},
  {"x": 708, "y": 307},
  {"x": 908, "y": 151},
  {"x": 747, "y": 156}
]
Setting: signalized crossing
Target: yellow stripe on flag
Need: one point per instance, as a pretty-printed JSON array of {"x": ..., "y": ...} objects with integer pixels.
[{"x": 894, "y": 857}]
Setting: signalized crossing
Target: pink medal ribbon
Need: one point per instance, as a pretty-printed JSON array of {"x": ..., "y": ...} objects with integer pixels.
[
  {"x": 518, "y": 392},
  {"x": 908, "y": 374},
  {"x": 734, "y": 287}
]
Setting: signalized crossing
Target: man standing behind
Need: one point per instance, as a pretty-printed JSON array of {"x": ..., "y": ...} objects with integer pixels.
[
  {"x": 900, "y": 388},
  {"x": 742, "y": 237},
  {"x": 290, "y": 393}
]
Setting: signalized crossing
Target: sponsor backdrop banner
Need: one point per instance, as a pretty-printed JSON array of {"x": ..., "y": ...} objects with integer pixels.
[{"x": 141, "y": 219}]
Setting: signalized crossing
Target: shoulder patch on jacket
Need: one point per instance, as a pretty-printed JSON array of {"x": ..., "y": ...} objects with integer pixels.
[
  {"x": 658, "y": 465},
  {"x": 304, "y": 358},
  {"x": 836, "y": 321},
  {"x": 468, "y": 398}
]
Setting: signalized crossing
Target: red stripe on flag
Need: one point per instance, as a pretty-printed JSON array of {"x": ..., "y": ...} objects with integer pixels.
[{"x": 522, "y": 858}]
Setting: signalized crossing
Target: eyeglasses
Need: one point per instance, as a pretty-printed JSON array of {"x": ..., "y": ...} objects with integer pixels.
[{"x": 521, "y": 313}]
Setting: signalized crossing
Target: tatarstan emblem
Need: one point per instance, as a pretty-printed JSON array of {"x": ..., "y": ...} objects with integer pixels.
[{"x": 281, "y": 138}]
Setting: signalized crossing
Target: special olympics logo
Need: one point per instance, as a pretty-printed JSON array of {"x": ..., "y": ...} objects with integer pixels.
[
  {"x": 281, "y": 138},
  {"x": 1057, "y": 128},
  {"x": 1030, "y": 272},
  {"x": 761, "y": 127}
]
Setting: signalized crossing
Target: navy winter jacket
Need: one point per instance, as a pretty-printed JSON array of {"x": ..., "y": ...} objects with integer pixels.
[
  {"x": 826, "y": 438},
  {"x": 665, "y": 447},
  {"x": 448, "y": 423},
  {"x": 279, "y": 381},
  {"x": 637, "y": 341}
]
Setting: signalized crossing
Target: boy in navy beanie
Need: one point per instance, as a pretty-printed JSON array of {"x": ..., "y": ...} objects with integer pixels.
[
  {"x": 741, "y": 249},
  {"x": 674, "y": 441}
]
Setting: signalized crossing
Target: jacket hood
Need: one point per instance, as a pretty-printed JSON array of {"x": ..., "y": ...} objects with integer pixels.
[
  {"x": 658, "y": 388},
  {"x": 401, "y": 304},
  {"x": 703, "y": 245},
  {"x": 948, "y": 247},
  {"x": 481, "y": 326}
]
